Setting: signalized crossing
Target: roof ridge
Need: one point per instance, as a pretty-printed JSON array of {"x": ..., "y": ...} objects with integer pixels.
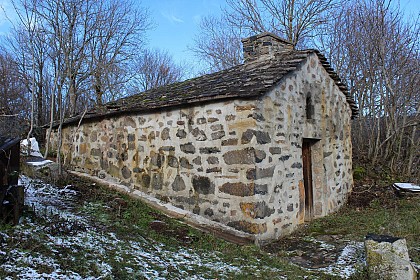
[{"x": 241, "y": 81}]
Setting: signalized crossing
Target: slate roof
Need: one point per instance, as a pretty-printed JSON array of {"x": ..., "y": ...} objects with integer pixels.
[
  {"x": 242, "y": 81},
  {"x": 7, "y": 142}
]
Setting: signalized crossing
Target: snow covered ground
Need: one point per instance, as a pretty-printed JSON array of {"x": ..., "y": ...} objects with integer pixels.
[
  {"x": 62, "y": 240},
  {"x": 69, "y": 240}
]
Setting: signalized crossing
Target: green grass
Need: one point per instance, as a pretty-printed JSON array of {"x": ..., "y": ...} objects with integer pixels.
[
  {"x": 131, "y": 220},
  {"x": 401, "y": 220},
  {"x": 136, "y": 217}
]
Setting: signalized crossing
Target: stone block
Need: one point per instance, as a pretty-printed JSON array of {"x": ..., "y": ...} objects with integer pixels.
[
  {"x": 126, "y": 173},
  {"x": 230, "y": 142},
  {"x": 142, "y": 120},
  {"x": 138, "y": 170},
  {"x": 212, "y": 120},
  {"x": 209, "y": 150},
  {"x": 203, "y": 185},
  {"x": 240, "y": 108},
  {"x": 216, "y": 127},
  {"x": 197, "y": 160},
  {"x": 259, "y": 173},
  {"x": 274, "y": 150},
  {"x": 258, "y": 117},
  {"x": 199, "y": 134},
  {"x": 230, "y": 118},
  {"x": 387, "y": 258},
  {"x": 244, "y": 156},
  {"x": 178, "y": 184},
  {"x": 238, "y": 189},
  {"x": 157, "y": 159},
  {"x": 256, "y": 210},
  {"x": 157, "y": 181},
  {"x": 213, "y": 160},
  {"x": 261, "y": 189},
  {"x": 131, "y": 137},
  {"x": 297, "y": 165},
  {"x": 245, "y": 226},
  {"x": 196, "y": 210},
  {"x": 165, "y": 134},
  {"x": 96, "y": 152},
  {"x": 173, "y": 161},
  {"x": 167, "y": 149},
  {"x": 181, "y": 134},
  {"x": 151, "y": 136},
  {"x": 261, "y": 136},
  {"x": 285, "y": 157},
  {"x": 185, "y": 163},
  {"x": 188, "y": 148},
  {"x": 145, "y": 180},
  {"x": 214, "y": 170},
  {"x": 201, "y": 121},
  {"x": 93, "y": 136},
  {"x": 82, "y": 148},
  {"x": 208, "y": 212},
  {"x": 218, "y": 135}
]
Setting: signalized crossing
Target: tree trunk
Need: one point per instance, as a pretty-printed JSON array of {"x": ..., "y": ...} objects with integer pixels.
[
  {"x": 47, "y": 144},
  {"x": 98, "y": 90},
  {"x": 412, "y": 151},
  {"x": 72, "y": 95}
]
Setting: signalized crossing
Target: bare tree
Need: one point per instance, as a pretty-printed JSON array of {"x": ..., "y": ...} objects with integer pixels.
[
  {"x": 29, "y": 23},
  {"x": 13, "y": 95},
  {"x": 370, "y": 46},
  {"x": 95, "y": 39},
  {"x": 155, "y": 68},
  {"x": 116, "y": 39},
  {"x": 77, "y": 51},
  {"x": 32, "y": 59},
  {"x": 14, "y": 102},
  {"x": 298, "y": 21},
  {"x": 218, "y": 45},
  {"x": 378, "y": 54}
]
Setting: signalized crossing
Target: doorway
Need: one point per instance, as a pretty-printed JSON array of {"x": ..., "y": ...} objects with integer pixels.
[{"x": 307, "y": 177}]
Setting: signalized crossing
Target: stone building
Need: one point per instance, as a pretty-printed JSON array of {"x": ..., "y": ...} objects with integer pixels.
[{"x": 260, "y": 147}]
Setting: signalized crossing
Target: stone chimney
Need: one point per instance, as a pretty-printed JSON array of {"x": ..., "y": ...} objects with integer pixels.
[{"x": 264, "y": 45}]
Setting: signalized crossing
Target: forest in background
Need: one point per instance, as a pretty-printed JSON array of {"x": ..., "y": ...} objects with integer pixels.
[{"x": 64, "y": 57}]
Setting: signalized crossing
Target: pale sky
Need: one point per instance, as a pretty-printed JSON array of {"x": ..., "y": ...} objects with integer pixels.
[{"x": 177, "y": 22}]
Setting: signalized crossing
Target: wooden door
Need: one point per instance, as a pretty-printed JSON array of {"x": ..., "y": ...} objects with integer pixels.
[{"x": 307, "y": 178}]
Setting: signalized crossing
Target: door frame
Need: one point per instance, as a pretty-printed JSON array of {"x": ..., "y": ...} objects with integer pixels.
[{"x": 307, "y": 174}]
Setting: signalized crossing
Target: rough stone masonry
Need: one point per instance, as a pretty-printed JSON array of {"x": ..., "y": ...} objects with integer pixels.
[{"x": 228, "y": 146}]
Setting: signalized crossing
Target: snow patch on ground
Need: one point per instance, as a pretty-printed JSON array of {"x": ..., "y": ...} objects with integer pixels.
[
  {"x": 39, "y": 163},
  {"x": 97, "y": 251},
  {"x": 348, "y": 262},
  {"x": 72, "y": 236}
]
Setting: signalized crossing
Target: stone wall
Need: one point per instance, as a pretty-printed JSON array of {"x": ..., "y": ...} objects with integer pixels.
[{"x": 238, "y": 162}]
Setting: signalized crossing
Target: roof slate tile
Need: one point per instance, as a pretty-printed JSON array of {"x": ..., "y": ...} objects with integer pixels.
[{"x": 246, "y": 80}]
